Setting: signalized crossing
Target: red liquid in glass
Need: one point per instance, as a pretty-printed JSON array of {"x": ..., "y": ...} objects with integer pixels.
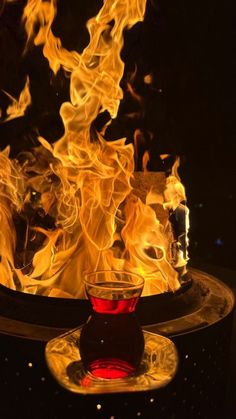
[
  {"x": 111, "y": 342},
  {"x": 101, "y": 305}
]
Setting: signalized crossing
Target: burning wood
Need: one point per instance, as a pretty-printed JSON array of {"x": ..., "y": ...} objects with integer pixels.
[{"x": 77, "y": 205}]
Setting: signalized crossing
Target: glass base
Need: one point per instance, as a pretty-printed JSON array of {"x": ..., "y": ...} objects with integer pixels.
[{"x": 111, "y": 368}]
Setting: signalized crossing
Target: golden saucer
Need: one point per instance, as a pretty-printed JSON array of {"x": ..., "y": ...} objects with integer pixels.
[{"x": 157, "y": 369}]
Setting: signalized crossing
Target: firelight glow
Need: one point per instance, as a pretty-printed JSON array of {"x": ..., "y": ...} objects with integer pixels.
[{"x": 83, "y": 182}]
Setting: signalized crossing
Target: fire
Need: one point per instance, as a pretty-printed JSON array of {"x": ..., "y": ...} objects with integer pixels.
[
  {"x": 18, "y": 107},
  {"x": 77, "y": 198}
]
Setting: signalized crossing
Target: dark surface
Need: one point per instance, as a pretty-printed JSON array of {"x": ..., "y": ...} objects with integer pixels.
[
  {"x": 201, "y": 387},
  {"x": 229, "y": 278},
  {"x": 47, "y": 311}
]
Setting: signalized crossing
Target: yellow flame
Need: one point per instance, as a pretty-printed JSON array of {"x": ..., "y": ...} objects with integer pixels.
[
  {"x": 40, "y": 14},
  {"x": 175, "y": 191},
  {"x": 84, "y": 183},
  {"x": 17, "y": 107},
  {"x": 148, "y": 247}
]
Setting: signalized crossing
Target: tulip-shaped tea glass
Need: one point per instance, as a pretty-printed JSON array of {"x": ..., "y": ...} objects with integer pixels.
[{"x": 111, "y": 342}]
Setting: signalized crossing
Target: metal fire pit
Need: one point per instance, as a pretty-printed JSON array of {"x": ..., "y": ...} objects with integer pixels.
[{"x": 201, "y": 331}]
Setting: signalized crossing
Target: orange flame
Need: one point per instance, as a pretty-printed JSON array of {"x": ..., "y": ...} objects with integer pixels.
[
  {"x": 40, "y": 14},
  {"x": 148, "y": 247},
  {"x": 175, "y": 200},
  {"x": 146, "y": 159},
  {"x": 174, "y": 192},
  {"x": 17, "y": 108},
  {"x": 85, "y": 184}
]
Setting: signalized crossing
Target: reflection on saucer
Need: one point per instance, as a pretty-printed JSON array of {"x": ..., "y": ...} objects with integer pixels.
[{"x": 156, "y": 370}]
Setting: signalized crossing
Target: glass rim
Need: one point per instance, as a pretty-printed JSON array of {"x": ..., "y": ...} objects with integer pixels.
[{"x": 139, "y": 285}]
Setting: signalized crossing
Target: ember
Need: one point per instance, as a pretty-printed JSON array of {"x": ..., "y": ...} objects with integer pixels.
[{"x": 77, "y": 205}]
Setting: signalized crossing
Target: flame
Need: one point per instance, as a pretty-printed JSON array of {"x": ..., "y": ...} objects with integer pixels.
[
  {"x": 175, "y": 191},
  {"x": 81, "y": 187},
  {"x": 132, "y": 91},
  {"x": 40, "y": 14},
  {"x": 17, "y": 107},
  {"x": 146, "y": 159},
  {"x": 11, "y": 188},
  {"x": 139, "y": 140},
  {"x": 175, "y": 202},
  {"x": 147, "y": 247}
]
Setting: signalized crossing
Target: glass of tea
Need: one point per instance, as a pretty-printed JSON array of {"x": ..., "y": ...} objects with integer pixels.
[{"x": 111, "y": 342}]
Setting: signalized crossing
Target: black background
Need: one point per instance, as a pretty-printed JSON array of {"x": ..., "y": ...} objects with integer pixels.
[{"x": 188, "y": 47}]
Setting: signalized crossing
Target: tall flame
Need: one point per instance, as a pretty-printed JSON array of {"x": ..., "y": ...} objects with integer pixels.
[{"x": 82, "y": 182}]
